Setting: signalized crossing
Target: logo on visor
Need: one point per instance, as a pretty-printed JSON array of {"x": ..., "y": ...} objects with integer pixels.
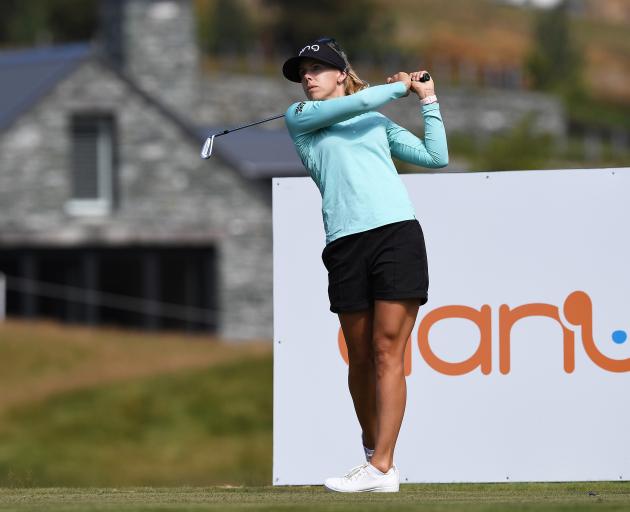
[{"x": 314, "y": 47}]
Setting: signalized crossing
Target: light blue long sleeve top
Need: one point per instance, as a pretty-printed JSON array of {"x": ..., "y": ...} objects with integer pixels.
[{"x": 347, "y": 149}]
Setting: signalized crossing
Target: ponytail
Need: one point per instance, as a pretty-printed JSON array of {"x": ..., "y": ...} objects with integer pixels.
[{"x": 353, "y": 83}]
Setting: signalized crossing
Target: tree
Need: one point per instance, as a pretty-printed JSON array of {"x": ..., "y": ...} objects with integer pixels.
[
  {"x": 228, "y": 29},
  {"x": 28, "y": 22},
  {"x": 555, "y": 63},
  {"x": 519, "y": 148},
  {"x": 362, "y": 28}
]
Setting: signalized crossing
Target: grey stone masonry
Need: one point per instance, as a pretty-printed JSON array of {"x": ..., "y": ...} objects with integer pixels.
[
  {"x": 167, "y": 194},
  {"x": 487, "y": 111},
  {"x": 160, "y": 50}
]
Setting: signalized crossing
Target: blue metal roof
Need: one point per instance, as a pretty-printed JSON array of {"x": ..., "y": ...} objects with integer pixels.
[
  {"x": 27, "y": 75},
  {"x": 257, "y": 153}
]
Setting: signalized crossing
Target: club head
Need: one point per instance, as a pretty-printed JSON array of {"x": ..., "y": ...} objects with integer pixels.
[{"x": 206, "y": 150}]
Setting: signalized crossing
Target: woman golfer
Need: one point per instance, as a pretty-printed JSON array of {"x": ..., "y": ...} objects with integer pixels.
[{"x": 374, "y": 253}]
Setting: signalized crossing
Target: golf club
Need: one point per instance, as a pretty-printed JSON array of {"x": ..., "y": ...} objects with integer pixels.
[{"x": 206, "y": 150}]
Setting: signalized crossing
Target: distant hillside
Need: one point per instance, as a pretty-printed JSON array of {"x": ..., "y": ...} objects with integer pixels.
[
  {"x": 491, "y": 33},
  {"x": 495, "y": 34}
]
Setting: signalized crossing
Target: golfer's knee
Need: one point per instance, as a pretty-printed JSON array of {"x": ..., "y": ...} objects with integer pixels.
[{"x": 387, "y": 354}]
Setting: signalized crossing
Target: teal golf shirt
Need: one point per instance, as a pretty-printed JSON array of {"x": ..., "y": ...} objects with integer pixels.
[{"x": 348, "y": 148}]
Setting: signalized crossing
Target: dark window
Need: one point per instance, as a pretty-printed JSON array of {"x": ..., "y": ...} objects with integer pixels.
[{"x": 93, "y": 164}]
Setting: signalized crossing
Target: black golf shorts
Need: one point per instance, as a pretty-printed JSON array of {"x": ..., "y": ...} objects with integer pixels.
[{"x": 388, "y": 262}]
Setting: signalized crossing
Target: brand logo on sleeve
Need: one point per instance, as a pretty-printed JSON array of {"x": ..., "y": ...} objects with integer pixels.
[{"x": 298, "y": 109}]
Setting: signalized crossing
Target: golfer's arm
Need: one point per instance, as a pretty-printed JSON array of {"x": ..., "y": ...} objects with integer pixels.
[
  {"x": 430, "y": 152},
  {"x": 308, "y": 116}
]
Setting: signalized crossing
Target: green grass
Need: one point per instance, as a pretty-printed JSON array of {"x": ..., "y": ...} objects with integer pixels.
[
  {"x": 437, "y": 497},
  {"x": 210, "y": 426},
  {"x": 179, "y": 425}
]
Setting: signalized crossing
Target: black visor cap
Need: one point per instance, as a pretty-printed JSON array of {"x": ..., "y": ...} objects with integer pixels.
[{"x": 319, "y": 51}]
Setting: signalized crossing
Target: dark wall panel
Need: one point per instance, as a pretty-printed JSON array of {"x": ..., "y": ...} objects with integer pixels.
[{"x": 148, "y": 287}]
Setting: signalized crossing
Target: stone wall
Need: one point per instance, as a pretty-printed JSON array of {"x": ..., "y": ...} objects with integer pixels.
[
  {"x": 160, "y": 50},
  {"x": 167, "y": 193}
]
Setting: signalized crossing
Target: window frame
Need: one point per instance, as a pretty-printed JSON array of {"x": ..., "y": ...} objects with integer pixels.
[{"x": 105, "y": 162}]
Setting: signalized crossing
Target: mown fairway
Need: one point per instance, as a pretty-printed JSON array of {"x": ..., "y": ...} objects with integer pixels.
[{"x": 455, "y": 497}]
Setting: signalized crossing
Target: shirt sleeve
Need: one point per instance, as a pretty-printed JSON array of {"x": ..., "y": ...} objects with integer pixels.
[
  {"x": 308, "y": 116},
  {"x": 432, "y": 151}
]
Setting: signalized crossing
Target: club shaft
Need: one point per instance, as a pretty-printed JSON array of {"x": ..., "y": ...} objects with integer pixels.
[
  {"x": 206, "y": 150},
  {"x": 225, "y": 132}
]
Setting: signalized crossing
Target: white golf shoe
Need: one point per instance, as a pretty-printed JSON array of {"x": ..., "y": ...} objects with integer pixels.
[{"x": 365, "y": 478}]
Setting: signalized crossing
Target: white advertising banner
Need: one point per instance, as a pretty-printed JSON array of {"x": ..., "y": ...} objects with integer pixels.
[{"x": 518, "y": 367}]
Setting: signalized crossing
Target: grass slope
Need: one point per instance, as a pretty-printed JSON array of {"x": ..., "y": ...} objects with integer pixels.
[
  {"x": 155, "y": 423},
  {"x": 42, "y": 359}
]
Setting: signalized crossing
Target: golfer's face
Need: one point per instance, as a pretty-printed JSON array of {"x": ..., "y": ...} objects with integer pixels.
[{"x": 319, "y": 80}]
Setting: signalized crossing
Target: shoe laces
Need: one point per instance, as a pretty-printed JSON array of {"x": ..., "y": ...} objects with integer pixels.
[{"x": 356, "y": 471}]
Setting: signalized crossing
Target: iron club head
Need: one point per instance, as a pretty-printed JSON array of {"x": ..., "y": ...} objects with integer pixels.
[{"x": 206, "y": 150}]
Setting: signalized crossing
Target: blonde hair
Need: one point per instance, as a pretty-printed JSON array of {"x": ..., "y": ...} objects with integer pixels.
[{"x": 353, "y": 83}]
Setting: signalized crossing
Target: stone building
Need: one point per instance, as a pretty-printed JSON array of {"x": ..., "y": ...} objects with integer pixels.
[{"x": 107, "y": 213}]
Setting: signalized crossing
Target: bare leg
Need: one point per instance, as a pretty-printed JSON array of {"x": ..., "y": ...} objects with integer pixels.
[
  {"x": 393, "y": 323},
  {"x": 357, "y": 329}
]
